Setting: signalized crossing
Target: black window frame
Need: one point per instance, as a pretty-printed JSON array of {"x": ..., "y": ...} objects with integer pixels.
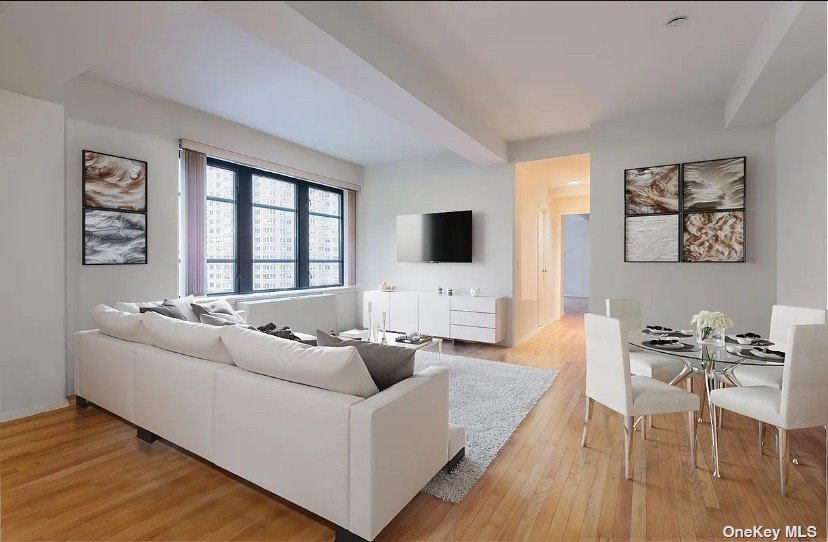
[{"x": 244, "y": 229}]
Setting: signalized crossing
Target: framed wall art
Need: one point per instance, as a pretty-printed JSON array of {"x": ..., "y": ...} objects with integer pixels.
[{"x": 114, "y": 209}]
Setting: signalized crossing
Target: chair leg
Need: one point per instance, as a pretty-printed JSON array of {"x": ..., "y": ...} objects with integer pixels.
[
  {"x": 701, "y": 410},
  {"x": 691, "y": 431},
  {"x": 628, "y": 442},
  {"x": 761, "y": 439},
  {"x": 587, "y": 416},
  {"x": 783, "y": 460},
  {"x": 650, "y": 420},
  {"x": 644, "y": 424}
]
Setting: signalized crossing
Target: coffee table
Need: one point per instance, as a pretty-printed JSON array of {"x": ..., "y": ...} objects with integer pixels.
[{"x": 362, "y": 334}]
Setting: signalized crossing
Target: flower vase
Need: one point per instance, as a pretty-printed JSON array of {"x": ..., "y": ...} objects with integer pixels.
[{"x": 713, "y": 336}]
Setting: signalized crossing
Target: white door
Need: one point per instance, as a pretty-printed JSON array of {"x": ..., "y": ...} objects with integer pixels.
[{"x": 544, "y": 249}]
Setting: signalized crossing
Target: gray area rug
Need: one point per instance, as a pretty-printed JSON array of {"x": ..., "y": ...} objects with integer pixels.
[{"x": 489, "y": 399}]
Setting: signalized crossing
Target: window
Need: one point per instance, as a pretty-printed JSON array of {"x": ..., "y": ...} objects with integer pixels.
[{"x": 266, "y": 232}]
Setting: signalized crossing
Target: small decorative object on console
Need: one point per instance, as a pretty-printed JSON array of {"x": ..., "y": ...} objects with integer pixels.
[
  {"x": 439, "y": 290},
  {"x": 386, "y": 286},
  {"x": 710, "y": 327},
  {"x": 474, "y": 291},
  {"x": 448, "y": 292}
]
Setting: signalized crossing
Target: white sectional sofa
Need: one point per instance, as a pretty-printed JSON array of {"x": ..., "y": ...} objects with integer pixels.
[{"x": 354, "y": 461}]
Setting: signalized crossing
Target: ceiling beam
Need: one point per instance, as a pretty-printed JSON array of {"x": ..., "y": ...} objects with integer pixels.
[
  {"x": 336, "y": 41},
  {"x": 787, "y": 59}
]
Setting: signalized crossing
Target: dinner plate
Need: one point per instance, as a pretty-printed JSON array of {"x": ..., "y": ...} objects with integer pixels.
[
  {"x": 676, "y": 346},
  {"x": 767, "y": 355},
  {"x": 659, "y": 331},
  {"x": 756, "y": 342}
]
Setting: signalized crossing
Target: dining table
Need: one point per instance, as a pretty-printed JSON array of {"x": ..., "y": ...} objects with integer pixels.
[{"x": 716, "y": 363}]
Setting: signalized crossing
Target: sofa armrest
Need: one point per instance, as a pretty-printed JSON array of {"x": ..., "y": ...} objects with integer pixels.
[{"x": 399, "y": 441}]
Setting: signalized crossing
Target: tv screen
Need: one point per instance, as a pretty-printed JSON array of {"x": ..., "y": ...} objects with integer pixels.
[{"x": 435, "y": 237}]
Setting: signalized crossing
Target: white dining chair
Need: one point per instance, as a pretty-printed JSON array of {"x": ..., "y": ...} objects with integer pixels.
[
  {"x": 782, "y": 318},
  {"x": 662, "y": 367},
  {"x": 802, "y": 400},
  {"x": 609, "y": 382}
]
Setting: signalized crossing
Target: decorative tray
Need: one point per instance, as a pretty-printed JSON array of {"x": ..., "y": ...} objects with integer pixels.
[{"x": 403, "y": 339}]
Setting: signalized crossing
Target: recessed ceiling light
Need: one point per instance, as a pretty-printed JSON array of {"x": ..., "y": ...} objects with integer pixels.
[
  {"x": 573, "y": 182},
  {"x": 677, "y": 21}
]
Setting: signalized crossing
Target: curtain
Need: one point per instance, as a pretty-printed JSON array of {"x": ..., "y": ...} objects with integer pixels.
[
  {"x": 350, "y": 237},
  {"x": 195, "y": 185}
]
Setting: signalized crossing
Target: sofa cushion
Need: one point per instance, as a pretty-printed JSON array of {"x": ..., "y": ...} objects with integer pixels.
[
  {"x": 221, "y": 319},
  {"x": 335, "y": 369},
  {"x": 165, "y": 309},
  {"x": 188, "y": 338},
  {"x": 121, "y": 325},
  {"x": 181, "y": 303},
  {"x": 386, "y": 364},
  {"x": 134, "y": 308},
  {"x": 214, "y": 306}
]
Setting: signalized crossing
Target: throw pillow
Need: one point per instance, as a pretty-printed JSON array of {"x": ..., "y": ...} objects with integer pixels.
[
  {"x": 167, "y": 308},
  {"x": 188, "y": 338},
  {"x": 219, "y": 319},
  {"x": 386, "y": 364},
  {"x": 120, "y": 324},
  {"x": 334, "y": 369},
  {"x": 219, "y": 308}
]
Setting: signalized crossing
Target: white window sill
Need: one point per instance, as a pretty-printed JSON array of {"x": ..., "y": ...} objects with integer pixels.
[{"x": 261, "y": 296}]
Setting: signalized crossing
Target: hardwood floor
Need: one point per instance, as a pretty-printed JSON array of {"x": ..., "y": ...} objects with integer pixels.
[{"x": 83, "y": 475}]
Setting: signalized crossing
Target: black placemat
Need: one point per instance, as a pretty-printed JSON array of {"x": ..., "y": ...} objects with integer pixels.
[
  {"x": 746, "y": 353},
  {"x": 686, "y": 347},
  {"x": 670, "y": 335},
  {"x": 756, "y": 342}
]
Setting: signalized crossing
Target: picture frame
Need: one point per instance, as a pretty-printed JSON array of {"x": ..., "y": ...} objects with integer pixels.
[
  {"x": 114, "y": 209},
  {"x": 714, "y": 237},
  {"x": 714, "y": 185},
  {"x": 652, "y": 190},
  {"x": 652, "y": 238}
]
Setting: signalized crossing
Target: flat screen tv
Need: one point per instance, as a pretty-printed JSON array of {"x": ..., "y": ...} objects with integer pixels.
[{"x": 435, "y": 237}]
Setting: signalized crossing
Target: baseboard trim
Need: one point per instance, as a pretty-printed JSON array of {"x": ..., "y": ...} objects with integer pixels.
[{"x": 31, "y": 411}]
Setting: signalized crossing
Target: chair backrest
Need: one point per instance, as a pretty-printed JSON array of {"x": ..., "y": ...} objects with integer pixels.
[
  {"x": 607, "y": 363},
  {"x": 626, "y": 310},
  {"x": 805, "y": 377},
  {"x": 783, "y": 317}
]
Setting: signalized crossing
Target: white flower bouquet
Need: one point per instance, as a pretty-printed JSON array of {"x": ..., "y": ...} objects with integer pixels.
[{"x": 710, "y": 327}]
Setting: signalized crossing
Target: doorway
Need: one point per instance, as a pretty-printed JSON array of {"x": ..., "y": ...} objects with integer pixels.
[
  {"x": 545, "y": 191},
  {"x": 575, "y": 276}
]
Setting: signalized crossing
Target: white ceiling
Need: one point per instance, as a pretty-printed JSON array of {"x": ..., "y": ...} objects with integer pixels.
[
  {"x": 379, "y": 81},
  {"x": 208, "y": 63},
  {"x": 537, "y": 68}
]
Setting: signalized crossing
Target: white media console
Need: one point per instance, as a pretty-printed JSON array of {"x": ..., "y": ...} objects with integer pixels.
[{"x": 479, "y": 319}]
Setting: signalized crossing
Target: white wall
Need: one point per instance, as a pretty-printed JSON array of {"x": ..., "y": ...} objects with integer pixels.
[
  {"x": 801, "y": 178},
  {"x": 113, "y": 120},
  {"x": 32, "y": 274},
  {"x": 576, "y": 256},
  {"x": 93, "y": 284},
  {"x": 108, "y": 105},
  {"x": 436, "y": 184},
  {"x": 671, "y": 293}
]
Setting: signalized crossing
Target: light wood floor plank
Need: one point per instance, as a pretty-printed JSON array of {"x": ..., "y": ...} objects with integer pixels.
[{"x": 82, "y": 475}]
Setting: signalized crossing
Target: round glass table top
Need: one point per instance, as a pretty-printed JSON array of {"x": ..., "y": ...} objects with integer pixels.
[{"x": 721, "y": 354}]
